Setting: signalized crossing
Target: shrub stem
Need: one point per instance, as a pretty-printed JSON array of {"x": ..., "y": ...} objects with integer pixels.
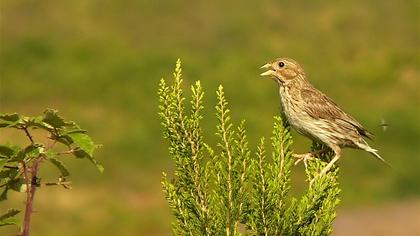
[{"x": 31, "y": 185}]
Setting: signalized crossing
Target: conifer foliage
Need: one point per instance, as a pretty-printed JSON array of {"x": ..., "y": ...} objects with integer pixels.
[{"x": 226, "y": 190}]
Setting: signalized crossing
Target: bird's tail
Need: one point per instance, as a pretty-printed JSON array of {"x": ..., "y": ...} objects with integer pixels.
[{"x": 374, "y": 152}]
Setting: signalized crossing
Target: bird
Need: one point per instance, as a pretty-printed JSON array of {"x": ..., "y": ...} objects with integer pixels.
[{"x": 314, "y": 115}]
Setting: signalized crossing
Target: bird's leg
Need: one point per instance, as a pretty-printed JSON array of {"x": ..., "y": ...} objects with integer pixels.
[
  {"x": 328, "y": 167},
  {"x": 337, "y": 152},
  {"x": 308, "y": 156}
]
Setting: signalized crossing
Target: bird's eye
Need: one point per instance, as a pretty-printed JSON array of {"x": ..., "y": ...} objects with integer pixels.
[{"x": 281, "y": 64}]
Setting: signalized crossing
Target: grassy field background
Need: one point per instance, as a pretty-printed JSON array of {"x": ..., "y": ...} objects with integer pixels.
[{"x": 99, "y": 64}]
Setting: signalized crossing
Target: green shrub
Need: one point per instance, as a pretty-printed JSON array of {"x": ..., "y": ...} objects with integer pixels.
[
  {"x": 20, "y": 166},
  {"x": 226, "y": 190}
]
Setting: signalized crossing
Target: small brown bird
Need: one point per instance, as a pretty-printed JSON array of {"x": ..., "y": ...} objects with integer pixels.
[{"x": 315, "y": 115}]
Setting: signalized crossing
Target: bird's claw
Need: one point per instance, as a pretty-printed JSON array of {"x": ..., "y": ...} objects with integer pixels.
[{"x": 304, "y": 158}]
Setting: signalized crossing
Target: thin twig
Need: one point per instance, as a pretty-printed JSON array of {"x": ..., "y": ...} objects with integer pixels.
[
  {"x": 28, "y": 135},
  {"x": 57, "y": 183},
  {"x": 71, "y": 151},
  {"x": 52, "y": 143},
  {"x": 11, "y": 167}
]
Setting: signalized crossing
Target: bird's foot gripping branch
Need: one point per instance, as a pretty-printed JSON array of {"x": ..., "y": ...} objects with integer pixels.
[{"x": 227, "y": 190}]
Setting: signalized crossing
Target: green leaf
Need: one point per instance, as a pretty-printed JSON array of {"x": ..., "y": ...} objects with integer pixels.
[
  {"x": 19, "y": 185},
  {"x": 66, "y": 140},
  {"x": 51, "y": 118},
  {"x": 98, "y": 165},
  {"x": 9, "y": 120},
  {"x": 60, "y": 166},
  {"x": 79, "y": 153},
  {"x": 10, "y": 221},
  {"x": 3, "y": 162},
  {"x": 7, "y": 178},
  {"x": 3, "y": 195},
  {"x": 84, "y": 142},
  {"x": 8, "y": 151},
  {"x": 31, "y": 151},
  {"x": 74, "y": 129},
  {"x": 10, "y": 213},
  {"x": 4, "y": 180},
  {"x": 38, "y": 122},
  {"x": 34, "y": 150},
  {"x": 9, "y": 172},
  {"x": 8, "y": 218}
]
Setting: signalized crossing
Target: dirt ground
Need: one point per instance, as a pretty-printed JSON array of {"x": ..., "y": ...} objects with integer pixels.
[{"x": 394, "y": 219}]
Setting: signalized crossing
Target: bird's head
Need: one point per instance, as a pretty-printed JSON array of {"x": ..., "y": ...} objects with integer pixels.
[{"x": 283, "y": 70}]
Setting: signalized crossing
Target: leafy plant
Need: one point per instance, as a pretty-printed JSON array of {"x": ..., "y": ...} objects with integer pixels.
[
  {"x": 229, "y": 191},
  {"x": 20, "y": 166}
]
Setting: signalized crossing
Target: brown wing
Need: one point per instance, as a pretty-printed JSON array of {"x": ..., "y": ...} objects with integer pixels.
[{"x": 319, "y": 106}]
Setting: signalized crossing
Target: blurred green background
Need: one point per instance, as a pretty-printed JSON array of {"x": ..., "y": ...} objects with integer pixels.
[{"x": 99, "y": 63}]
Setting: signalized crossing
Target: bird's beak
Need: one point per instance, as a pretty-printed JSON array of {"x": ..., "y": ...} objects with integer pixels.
[
  {"x": 269, "y": 71},
  {"x": 266, "y": 66}
]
